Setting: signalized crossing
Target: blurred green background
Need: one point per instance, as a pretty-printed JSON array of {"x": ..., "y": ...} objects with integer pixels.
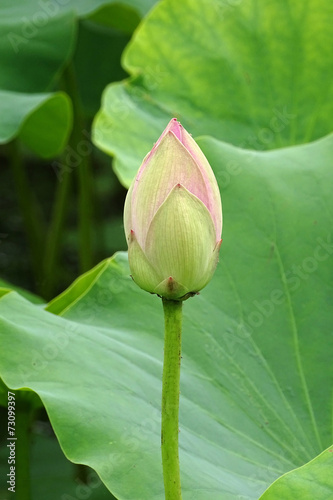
[
  {"x": 61, "y": 204},
  {"x": 57, "y": 57}
]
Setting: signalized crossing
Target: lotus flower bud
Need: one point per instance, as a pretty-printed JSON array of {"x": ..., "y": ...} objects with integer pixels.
[{"x": 173, "y": 218}]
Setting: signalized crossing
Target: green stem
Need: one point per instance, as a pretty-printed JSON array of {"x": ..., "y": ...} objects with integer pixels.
[
  {"x": 80, "y": 147},
  {"x": 30, "y": 211},
  {"x": 85, "y": 216},
  {"x": 22, "y": 466},
  {"x": 74, "y": 158},
  {"x": 170, "y": 398},
  {"x": 53, "y": 243}
]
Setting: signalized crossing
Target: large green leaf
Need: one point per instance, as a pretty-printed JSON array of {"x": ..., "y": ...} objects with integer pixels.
[
  {"x": 42, "y": 121},
  {"x": 87, "y": 8},
  {"x": 37, "y": 40},
  {"x": 312, "y": 481},
  {"x": 256, "y": 74},
  {"x": 256, "y": 370},
  {"x": 34, "y": 45},
  {"x": 34, "y": 48}
]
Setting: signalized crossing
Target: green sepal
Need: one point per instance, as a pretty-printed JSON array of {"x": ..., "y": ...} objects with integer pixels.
[
  {"x": 181, "y": 240},
  {"x": 143, "y": 273},
  {"x": 171, "y": 289},
  {"x": 212, "y": 265}
]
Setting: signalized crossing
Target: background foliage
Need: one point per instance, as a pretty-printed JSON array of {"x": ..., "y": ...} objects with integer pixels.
[{"x": 254, "y": 78}]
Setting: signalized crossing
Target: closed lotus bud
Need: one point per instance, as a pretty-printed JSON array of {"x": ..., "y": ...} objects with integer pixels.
[{"x": 173, "y": 217}]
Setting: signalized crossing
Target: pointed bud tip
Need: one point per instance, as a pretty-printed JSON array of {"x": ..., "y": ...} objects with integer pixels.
[{"x": 176, "y": 128}]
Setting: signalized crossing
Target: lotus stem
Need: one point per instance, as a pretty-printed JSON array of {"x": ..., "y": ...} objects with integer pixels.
[{"x": 170, "y": 398}]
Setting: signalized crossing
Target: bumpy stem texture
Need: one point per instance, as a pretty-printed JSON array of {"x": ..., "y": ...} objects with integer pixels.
[{"x": 170, "y": 398}]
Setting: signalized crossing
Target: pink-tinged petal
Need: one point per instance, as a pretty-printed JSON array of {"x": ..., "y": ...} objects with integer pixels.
[
  {"x": 213, "y": 201},
  {"x": 173, "y": 126},
  {"x": 176, "y": 128},
  {"x": 128, "y": 224},
  {"x": 210, "y": 196},
  {"x": 171, "y": 165}
]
